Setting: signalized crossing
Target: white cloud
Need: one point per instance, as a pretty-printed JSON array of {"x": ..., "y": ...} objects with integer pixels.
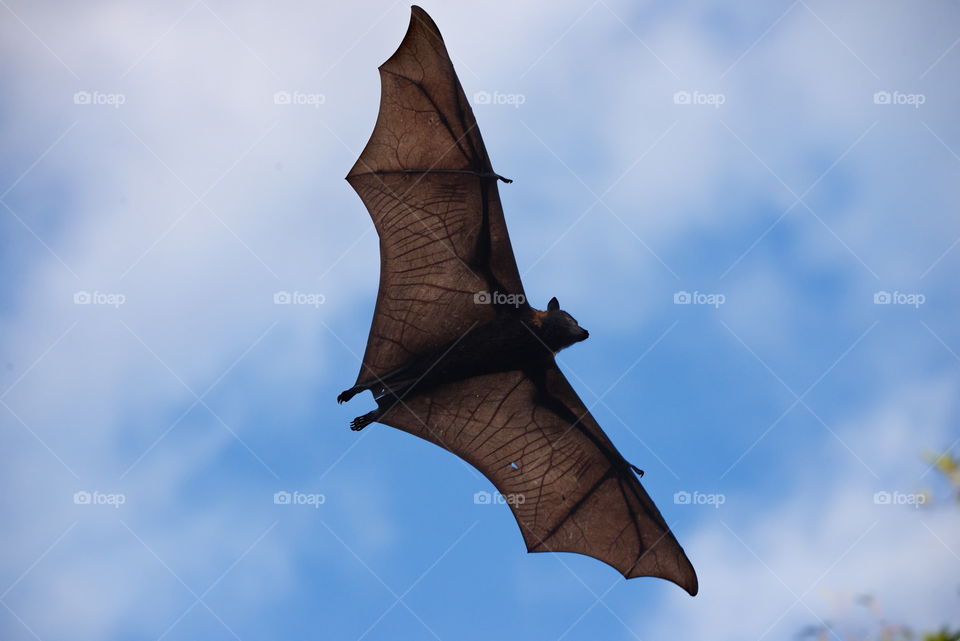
[{"x": 825, "y": 539}]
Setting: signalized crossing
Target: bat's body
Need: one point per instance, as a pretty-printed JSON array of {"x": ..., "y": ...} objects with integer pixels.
[
  {"x": 457, "y": 357},
  {"x": 524, "y": 340}
]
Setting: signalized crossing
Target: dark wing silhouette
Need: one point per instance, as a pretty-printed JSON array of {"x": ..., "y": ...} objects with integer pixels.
[
  {"x": 567, "y": 485},
  {"x": 427, "y": 182}
]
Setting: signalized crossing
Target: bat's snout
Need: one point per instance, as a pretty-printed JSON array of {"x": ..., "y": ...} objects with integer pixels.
[{"x": 584, "y": 335}]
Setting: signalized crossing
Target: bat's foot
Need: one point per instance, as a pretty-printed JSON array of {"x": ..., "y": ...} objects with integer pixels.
[
  {"x": 346, "y": 395},
  {"x": 361, "y": 422}
]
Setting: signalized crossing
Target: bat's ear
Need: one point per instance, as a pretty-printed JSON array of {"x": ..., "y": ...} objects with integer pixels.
[{"x": 553, "y": 305}]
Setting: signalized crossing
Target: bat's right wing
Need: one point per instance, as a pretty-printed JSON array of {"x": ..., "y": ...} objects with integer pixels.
[
  {"x": 568, "y": 487},
  {"x": 427, "y": 182}
]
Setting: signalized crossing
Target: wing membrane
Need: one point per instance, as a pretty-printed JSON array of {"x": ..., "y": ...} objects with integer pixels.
[
  {"x": 568, "y": 487},
  {"x": 426, "y": 180}
]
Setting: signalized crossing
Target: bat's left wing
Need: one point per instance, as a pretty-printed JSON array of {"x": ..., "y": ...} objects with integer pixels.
[
  {"x": 427, "y": 182},
  {"x": 569, "y": 488}
]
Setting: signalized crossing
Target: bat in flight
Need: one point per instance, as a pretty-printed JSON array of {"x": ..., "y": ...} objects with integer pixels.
[{"x": 455, "y": 354}]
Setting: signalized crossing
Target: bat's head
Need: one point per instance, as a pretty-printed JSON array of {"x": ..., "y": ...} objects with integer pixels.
[{"x": 559, "y": 329}]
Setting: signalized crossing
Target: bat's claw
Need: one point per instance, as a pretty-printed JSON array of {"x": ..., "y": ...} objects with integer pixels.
[
  {"x": 346, "y": 395},
  {"x": 637, "y": 470},
  {"x": 361, "y": 422}
]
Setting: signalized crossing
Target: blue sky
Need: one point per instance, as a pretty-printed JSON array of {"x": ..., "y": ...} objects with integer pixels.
[{"x": 156, "y": 197}]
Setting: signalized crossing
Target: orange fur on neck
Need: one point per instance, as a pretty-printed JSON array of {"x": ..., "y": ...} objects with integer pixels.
[{"x": 538, "y": 316}]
